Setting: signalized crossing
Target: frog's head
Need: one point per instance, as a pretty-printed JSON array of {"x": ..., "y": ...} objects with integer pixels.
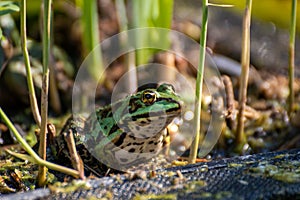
[
  {"x": 162, "y": 100},
  {"x": 152, "y": 109}
]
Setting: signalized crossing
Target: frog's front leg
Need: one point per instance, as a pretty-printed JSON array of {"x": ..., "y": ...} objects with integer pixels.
[
  {"x": 76, "y": 149},
  {"x": 65, "y": 143},
  {"x": 75, "y": 158}
]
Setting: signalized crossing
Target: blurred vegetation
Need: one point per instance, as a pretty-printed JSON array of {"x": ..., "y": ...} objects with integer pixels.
[
  {"x": 276, "y": 11},
  {"x": 154, "y": 13},
  {"x": 7, "y": 7},
  {"x": 91, "y": 36}
]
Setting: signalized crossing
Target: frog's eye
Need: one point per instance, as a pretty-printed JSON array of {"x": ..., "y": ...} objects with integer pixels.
[{"x": 148, "y": 97}]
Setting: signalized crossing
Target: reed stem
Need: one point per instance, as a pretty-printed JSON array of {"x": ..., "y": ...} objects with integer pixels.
[
  {"x": 245, "y": 62},
  {"x": 45, "y": 86},
  {"x": 199, "y": 83}
]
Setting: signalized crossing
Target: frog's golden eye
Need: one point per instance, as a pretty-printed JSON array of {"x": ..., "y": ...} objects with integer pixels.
[{"x": 148, "y": 97}]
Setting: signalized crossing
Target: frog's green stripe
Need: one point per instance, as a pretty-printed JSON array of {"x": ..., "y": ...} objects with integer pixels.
[{"x": 158, "y": 109}]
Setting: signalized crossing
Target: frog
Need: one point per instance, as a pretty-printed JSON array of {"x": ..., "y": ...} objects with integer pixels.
[{"x": 125, "y": 133}]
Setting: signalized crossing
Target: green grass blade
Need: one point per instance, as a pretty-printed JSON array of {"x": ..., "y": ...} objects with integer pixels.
[
  {"x": 199, "y": 83},
  {"x": 7, "y": 7},
  {"x": 154, "y": 13},
  {"x": 91, "y": 37},
  {"x": 32, "y": 95}
]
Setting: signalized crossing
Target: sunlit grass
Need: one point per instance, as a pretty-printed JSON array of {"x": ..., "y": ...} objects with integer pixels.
[
  {"x": 154, "y": 13},
  {"x": 292, "y": 56},
  {"x": 277, "y": 12},
  {"x": 91, "y": 37},
  {"x": 199, "y": 83}
]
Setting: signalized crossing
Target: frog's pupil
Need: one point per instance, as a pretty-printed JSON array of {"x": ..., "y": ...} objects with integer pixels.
[{"x": 148, "y": 96}]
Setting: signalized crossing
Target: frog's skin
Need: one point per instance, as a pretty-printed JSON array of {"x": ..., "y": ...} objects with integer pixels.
[{"x": 130, "y": 131}]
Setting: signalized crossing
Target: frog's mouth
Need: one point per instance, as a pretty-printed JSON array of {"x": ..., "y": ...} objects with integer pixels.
[
  {"x": 163, "y": 107},
  {"x": 157, "y": 114}
]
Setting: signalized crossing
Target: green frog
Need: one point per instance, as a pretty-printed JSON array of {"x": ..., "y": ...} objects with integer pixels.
[{"x": 125, "y": 133}]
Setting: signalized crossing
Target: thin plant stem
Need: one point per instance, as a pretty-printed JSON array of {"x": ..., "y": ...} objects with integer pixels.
[
  {"x": 54, "y": 95},
  {"x": 199, "y": 83},
  {"x": 245, "y": 62},
  {"x": 32, "y": 153},
  {"x": 45, "y": 85},
  {"x": 292, "y": 56},
  {"x": 32, "y": 96}
]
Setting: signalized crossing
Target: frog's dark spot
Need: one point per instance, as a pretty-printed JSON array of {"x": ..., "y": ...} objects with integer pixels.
[
  {"x": 151, "y": 150},
  {"x": 137, "y": 128},
  {"x": 114, "y": 129},
  {"x": 155, "y": 143},
  {"x": 121, "y": 139},
  {"x": 131, "y": 150},
  {"x": 109, "y": 114},
  {"x": 123, "y": 159},
  {"x": 138, "y": 143},
  {"x": 133, "y": 119},
  {"x": 150, "y": 142},
  {"x": 161, "y": 124},
  {"x": 102, "y": 113},
  {"x": 131, "y": 136}
]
